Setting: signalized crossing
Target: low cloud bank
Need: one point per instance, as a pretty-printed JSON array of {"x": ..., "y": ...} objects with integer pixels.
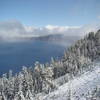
[{"x": 14, "y": 29}]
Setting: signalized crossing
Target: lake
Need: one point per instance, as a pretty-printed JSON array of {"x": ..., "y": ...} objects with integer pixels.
[{"x": 14, "y": 55}]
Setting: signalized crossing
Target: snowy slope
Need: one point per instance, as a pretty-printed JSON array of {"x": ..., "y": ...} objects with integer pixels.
[{"x": 78, "y": 86}]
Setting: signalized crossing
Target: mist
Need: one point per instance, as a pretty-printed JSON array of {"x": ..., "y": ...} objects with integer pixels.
[{"x": 15, "y": 30}]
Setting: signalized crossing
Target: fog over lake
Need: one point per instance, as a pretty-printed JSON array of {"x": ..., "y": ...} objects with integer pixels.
[{"x": 14, "y": 55}]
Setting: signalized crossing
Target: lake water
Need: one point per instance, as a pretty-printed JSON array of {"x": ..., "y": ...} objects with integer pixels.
[{"x": 13, "y": 55}]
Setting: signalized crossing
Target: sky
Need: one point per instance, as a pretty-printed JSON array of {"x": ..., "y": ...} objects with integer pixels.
[
  {"x": 40, "y": 17},
  {"x": 54, "y": 12}
]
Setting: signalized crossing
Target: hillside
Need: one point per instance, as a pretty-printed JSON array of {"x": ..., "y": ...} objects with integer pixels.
[
  {"x": 45, "y": 80},
  {"x": 79, "y": 87}
]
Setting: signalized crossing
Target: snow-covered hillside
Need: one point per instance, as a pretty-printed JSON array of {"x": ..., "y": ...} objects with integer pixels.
[
  {"x": 76, "y": 74},
  {"x": 78, "y": 87}
]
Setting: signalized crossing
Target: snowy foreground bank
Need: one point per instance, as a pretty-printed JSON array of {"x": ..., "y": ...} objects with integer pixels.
[{"x": 78, "y": 87}]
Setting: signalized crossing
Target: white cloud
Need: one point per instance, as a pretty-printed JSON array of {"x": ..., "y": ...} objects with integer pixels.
[{"x": 14, "y": 29}]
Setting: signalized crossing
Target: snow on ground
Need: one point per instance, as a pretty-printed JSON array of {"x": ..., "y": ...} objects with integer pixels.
[{"x": 78, "y": 86}]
